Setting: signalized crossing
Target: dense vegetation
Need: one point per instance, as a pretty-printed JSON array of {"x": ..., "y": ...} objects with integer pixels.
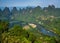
[
  {"x": 19, "y": 35},
  {"x": 48, "y": 17}
]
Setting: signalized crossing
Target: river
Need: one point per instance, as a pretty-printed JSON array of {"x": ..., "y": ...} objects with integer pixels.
[{"x": 39, "y": 28}]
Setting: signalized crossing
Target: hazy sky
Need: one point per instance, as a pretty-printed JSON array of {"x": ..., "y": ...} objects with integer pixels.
[{"x": 24, "y": 3}]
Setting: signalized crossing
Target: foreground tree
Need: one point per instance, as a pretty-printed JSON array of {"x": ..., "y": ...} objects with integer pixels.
[{"x": 4, "y": 26}]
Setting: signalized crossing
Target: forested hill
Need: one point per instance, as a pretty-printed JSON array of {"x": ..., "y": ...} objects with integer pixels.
[{"x": 29, "y": 13}]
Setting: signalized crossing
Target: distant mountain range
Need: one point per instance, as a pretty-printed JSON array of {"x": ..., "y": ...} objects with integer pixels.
[
  {"x": 12, "y": 7},
  {"x": 30, "y": 14}
]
